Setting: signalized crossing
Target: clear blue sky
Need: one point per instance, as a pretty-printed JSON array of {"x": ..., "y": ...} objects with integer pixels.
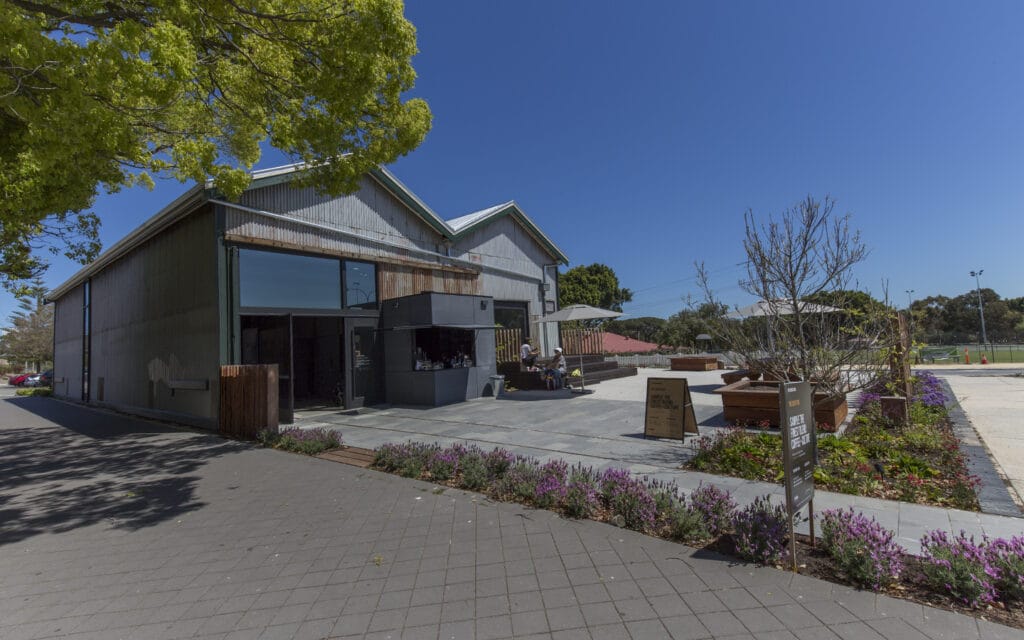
[{"x": 637, "y": 134}]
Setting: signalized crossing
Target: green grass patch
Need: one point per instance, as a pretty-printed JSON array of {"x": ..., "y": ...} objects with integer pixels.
[{"x": 44, "y": 392}]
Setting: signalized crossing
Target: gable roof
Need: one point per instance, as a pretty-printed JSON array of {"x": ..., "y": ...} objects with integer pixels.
[
  {"x": 464, "y": 225},
  {"x": 198, "y": 195}
]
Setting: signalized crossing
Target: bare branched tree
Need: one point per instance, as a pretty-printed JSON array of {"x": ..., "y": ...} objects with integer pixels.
[{"x": 811, "y": 323}]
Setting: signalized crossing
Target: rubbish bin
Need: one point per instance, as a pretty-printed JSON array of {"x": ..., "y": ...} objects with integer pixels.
[{"x": 498, "y": 386}]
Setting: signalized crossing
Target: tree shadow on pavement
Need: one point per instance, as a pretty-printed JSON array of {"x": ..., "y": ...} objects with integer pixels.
[{"x": 63, "y": 467}]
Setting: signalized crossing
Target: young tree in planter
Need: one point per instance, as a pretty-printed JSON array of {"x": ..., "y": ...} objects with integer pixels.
[{"x": 808, "y": 254}]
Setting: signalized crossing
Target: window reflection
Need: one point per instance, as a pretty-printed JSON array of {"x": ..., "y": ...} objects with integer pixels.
[
  {"x": 360, "y": 285},
  {"x": 287, "y": 280}
]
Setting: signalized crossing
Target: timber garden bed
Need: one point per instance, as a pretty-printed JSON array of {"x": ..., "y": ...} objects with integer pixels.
[{"x": 919, "y": 462}]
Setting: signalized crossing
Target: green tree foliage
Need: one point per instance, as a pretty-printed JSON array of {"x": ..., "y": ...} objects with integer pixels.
[
  {"x": 595, "y": 284},
  {"x": 29, "y": 338},
  {"x": 108, "y": 94},
  {"x": 647, "y": 328},
  {"x": 682, "y": 329},
  {"x": 944, "y": 320}
]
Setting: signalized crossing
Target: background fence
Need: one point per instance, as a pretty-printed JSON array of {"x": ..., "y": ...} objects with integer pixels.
[
  {"x": 581, "y": 341},
  {"x": 993, "y": 352}
]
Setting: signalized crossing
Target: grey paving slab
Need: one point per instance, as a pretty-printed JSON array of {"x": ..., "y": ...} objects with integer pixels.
[
  {"x": 118, "y": 528},
  {"x": 605, "y": 430}
]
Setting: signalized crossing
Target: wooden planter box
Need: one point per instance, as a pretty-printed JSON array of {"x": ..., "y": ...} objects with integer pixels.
[
  {"x": 694, "y": 363},
  {"x": 755, "y": 401}
]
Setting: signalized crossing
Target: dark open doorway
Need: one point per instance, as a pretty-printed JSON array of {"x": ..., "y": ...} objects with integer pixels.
[
  {"x": 318, "y": 358},
  {"x": 324, "y": 362}
]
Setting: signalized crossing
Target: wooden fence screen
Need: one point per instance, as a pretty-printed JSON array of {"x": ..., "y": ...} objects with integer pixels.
[
  {"x": 582, "y": 341},
  {"x": 507, "y": 343},
  {"x": 248, "y": 399}
]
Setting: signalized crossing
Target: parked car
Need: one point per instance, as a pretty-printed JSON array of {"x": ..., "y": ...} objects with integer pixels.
[
  {"x": 44, "y": 379},
  {"x": 19, "y": 379}
]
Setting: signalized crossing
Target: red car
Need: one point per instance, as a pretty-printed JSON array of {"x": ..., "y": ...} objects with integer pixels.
[{"x": 19, "y": 379}]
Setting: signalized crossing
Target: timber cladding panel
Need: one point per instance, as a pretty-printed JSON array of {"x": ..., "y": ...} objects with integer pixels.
[
  {"x": 248, "y": 400},
  {"x": 396, "y": 281}
]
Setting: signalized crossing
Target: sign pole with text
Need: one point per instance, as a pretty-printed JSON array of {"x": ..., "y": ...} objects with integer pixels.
[{"x": 799, "y": 453}]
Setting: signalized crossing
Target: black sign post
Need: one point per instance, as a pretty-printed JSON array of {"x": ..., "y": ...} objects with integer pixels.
[{"x": 799, "y": 452}]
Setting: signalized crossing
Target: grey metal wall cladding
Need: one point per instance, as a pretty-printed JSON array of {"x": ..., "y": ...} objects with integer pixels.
[
  {"x": 155, "y": 320},
  {"x": 67, "y": 354},
  {"x": 504, "y": 244},
  {"x": 372, "y": 212}
]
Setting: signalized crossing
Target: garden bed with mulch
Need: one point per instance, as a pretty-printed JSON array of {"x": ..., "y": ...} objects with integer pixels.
[
  {"x": 918, "y": 462},
  {"x": 816, "y": 563}
]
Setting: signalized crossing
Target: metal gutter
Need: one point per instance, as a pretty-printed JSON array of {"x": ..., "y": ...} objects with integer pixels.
[{"x": 180, "y": 207}]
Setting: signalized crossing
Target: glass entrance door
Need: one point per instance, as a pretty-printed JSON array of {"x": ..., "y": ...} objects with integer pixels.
[{"x": 363, "y": 360}]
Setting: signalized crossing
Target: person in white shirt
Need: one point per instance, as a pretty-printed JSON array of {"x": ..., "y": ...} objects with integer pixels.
[
  {"x": 556, "y": 368},
  {"x": 528, "y": 355}
]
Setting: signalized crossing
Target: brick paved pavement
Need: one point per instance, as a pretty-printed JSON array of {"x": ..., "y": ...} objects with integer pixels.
[{"x": 114, "y": 528}]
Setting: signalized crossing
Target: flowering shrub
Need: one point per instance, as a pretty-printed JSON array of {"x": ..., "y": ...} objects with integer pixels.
[
  {"x": 550, "y": 489},
  {"x": 629, "y": 498},
  {"x": 499, "y": 461},
  {"x": 474, "y": 473},
  {"x": 863, "y": 550},
  {"x": 959, "y": 567},
  {"x": 1007, "y": 558},
  {"x": 443, "y": 464},
  {"x": 665, "y": 495},
  {"x": 715, "y": 506},
  {"x": 927, "y": 389},
  {"x": 308, "y": 441},
  {"x": 520, "y": 481},
  {"x": 759, "y": 531},
  {"x": 581, "y": 497},
  {"x": 687, "y": 524}
]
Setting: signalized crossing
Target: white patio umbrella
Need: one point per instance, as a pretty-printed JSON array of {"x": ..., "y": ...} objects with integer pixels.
[
  {"x": 763, "y": 308},
  {"x": 580, "y": 312}
]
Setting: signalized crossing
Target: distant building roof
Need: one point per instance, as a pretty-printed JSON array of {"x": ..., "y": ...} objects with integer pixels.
[{"x": 614, "y": 343}]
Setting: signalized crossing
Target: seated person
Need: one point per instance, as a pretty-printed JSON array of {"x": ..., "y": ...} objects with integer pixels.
[
  {"x": 556, "y": 368},
  {"x": 528, "y": 354}
]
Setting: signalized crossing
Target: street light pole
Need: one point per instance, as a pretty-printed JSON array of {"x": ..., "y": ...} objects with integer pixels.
[{"x": 981, "y": 305}]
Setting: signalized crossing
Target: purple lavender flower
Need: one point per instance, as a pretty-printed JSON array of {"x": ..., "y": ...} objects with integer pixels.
[
  {"x": 1007, "y": 558},
  {"x": 715, "y": 505},
  {"x": 864, "y": 550},
  {"x": 960, "y": 567},
  {"x": 760, "y": 530}
]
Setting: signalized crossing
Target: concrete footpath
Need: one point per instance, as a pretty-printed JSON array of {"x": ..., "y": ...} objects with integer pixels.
[
  {"x": 117, "y": 528},
  {"x": 605, "y": 429},
  {"x": 993, "y": 399}
]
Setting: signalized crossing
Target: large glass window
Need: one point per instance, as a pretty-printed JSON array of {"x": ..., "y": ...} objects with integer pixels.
[
  {"x": 360, "y": 285},
  {"x": 512, "y": 315},
  {"x": 288, "y": 280}
]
